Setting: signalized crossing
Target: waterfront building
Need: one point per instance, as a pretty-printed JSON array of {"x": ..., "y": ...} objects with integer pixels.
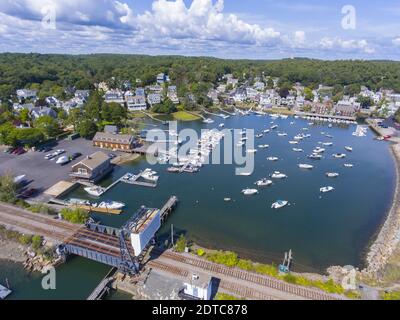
[
  {"x": 118, "y": 142},
  {"x": 198, "y": 287},
  {"x": 93, "y": 168}
]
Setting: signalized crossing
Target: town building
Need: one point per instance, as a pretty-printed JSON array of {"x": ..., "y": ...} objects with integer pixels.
[
  {"x": 136, "y": 103},
  {"x": 154, "y": 98},
  {"x": 117, "y": 142},
  {"x": 25, "y": 94},
  {"x": 93, "y": 168},
  {"x": 115, "y": 96},
  {"x": 38, "y": 112},
  {"x": 197, "y": 287}
]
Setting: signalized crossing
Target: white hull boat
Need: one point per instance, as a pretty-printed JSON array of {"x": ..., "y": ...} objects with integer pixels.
[
  {"x": 279, "y": 204},
  {"x": 249, "y": 192},
  {"x": 306, "y": 166},
  {"x": 278, "y": 175},
  {"x": 326, "y": 189},
  {"x": 272, "y": 159},
  {"x": 263, "y": 183},
  {"x": 95, "y": 191},
  {"x": 114, "y": 205},
  {"x": 332, "y": 174}
]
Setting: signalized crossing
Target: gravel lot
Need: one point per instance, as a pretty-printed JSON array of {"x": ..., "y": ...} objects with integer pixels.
[{"x": 41, "y": 173}]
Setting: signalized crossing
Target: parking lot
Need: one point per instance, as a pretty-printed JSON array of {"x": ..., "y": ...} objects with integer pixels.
[{"x": 40, "y": 173}]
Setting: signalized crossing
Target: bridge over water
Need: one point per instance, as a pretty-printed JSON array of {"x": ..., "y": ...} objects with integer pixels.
[{"x": 112, "y": 246}]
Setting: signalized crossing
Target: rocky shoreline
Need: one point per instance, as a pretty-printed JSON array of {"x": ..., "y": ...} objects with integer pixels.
[{"x": 389, "y": 236}]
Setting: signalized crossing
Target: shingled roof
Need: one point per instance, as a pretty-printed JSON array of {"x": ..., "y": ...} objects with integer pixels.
[{"x": 113, "y": 138}]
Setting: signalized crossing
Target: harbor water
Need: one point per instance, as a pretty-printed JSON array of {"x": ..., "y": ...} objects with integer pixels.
[{"x": 322, "y": 230}]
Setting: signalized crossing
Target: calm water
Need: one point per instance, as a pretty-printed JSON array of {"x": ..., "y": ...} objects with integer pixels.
[{"x": 331, "y": 230}]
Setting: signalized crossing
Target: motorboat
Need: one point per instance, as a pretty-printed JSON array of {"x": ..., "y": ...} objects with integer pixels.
[
  {"x": 227, "y": 199},
  {"x": 274, "y": 127},
  {"x": 332, "y": 174},
  {"x": 149, "y": 176},
  {"x": 266, "y": 131},
  {"x": 326, "y": 189},
  {"x": 263, "y": 183},
  {"x": 297, "y": 150},
  {"x": 293, "y": 142},
  {"x": 350, "y": 149},
  {"x": 348, "y": 165},
  {"x": 339, "y": 156},
  {"x": 319, "y": 150},
  {"x": 249, "y": 192},
  {"x": 315, "y": 156},
  {"x": 259, "y": 135},
  {"x": 282, "y": 134},
  {"x": 95, "y": 191},
  {"x": 306, "y": 166},
  {"x": 208, "y": 121},
  {"x": 327, "y": 144},
  {"x": 272, "y": 159},
  {"x": 114, "y": 205},
  {"x": 279, "y": 204},
  {"x": 278, "y": 175},
  {"x": 221, "y": 125},
  {"x": 251, "y": 150},
  {"x": 263, "y": 146},
  {"x": 79, "y": 202},
  {"x": 62, "y": 160}
]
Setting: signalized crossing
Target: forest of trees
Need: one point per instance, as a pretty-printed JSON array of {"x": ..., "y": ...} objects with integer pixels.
[{"x": 50, "y": 74}]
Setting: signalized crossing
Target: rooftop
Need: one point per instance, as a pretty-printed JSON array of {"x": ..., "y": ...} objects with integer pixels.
[
  {"x": 94, "y": 160},
  {"x": 116, "y": 138}
]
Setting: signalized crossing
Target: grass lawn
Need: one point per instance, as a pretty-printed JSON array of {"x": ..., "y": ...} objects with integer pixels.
[{"x": 185, "y": 116}]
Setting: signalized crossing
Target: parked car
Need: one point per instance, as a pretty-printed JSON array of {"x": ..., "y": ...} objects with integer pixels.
[
  {"x": 76, "y": 155},
  {"x": 8, "y": 150},
  {"x": 28, "y": 193},
  {"x": 112, "y": 155}
]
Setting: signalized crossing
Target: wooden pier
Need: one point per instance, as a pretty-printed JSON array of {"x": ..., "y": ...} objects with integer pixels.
[
  {"x": 135, "y": 181},
  {"x": 227, "y": 112},
  {"x": 168, "y": 208}
]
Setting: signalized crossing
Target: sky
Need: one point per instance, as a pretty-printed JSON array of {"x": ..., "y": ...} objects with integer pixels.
[{"x": 251, "y": 29}]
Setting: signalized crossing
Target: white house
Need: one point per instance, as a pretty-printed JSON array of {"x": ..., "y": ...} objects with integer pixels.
[
  {"x": 26, "y": 94},
  {"x": 154, "y": 98},
  {"x": 198, "y": 287},
  {"x": 136, "y": 103},
  {"x": 38, "y": 112},
  {"x": 115, "y": 96}
]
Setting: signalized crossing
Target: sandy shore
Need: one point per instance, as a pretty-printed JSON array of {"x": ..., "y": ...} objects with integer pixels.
[{"x": 389, "y": 236}]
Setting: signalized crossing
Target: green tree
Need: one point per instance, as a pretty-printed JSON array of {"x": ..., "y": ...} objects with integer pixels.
[
  {"x": 77, "y": 216},
  {"x": 308, "y": 94},
  {"x": 24, "y": 115},
  {"x": 48, "y": 126},
  {"x": 8, "y": 188},
  {"x": 87, "y": 128}
]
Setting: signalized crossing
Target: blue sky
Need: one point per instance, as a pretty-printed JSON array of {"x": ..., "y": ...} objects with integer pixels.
[{"x": 255, "y": 29}]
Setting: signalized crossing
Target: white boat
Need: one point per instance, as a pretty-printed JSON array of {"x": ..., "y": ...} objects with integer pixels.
[
  {"x": 62, "y": 160},
  {"x": 297, "y": 150},
  {"x": 81, "y": 202},
  {"x": 348, "y": 165},
  {"x": 306, "y": 166},
  {"x": 95, "y": 191},
  {"x": 315, "y": 156},
  {"x": 278, "y": 175},
  {"x": 149, "y": 177},
  {"x": 221, "y": 125},
  {"x": 332, "y": 174},
  {"x": 282, "y": 134},
  {"x": 327, "y": 144},
  {"x": 259, "y": 135},
  {"x": 249, "y": 192},
  {"x": 339, "y": 156},
  {"x": 279, "y": 204},
  {"x": 350, "y": 149},
  {"x": 293, "y": 142},
  {"x": 114, "y": 205},
  {"x": 251, "y": 150},
  {"x": 266, "y": 131},
  {"x": 272, "y": 159},
  {"x": 274, "y": 127},
  {"x": 208, "y": 121},
  {"x": 326, "y": 189},
  {"x": 263, "y": 183},
  {"x": 263, "y": 146},
  {"x": 227, "y": 199},
  {"x": 319, "y": 150}
]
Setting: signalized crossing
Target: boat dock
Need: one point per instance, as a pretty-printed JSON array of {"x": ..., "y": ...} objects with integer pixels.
[
  {"x": 104, "y": 286},
  {"x": 85, "y": 207},
  {"x": 154, "y": 118},
  {"x": 214, "y": 114},
  {"x": 168, "y": 208},
  {"x": 227, "y": 112}
]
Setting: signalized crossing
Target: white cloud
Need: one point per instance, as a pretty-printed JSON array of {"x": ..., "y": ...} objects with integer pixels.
[
  {"x": 203, "y": 19},
  {"x": 299, "y": 37},
  {"x": 396, "y": 42},
  {"x": 346, "y": 45}
]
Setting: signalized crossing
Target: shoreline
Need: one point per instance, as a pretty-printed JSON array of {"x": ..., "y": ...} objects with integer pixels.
[{"x": 387, "y": 240}]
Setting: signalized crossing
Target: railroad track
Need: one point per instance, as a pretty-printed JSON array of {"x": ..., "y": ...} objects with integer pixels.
[
  {"x": 269, "y": 282},
  {"x": 17, "y": 212},
  {"x": 239, "y": 290},
  {"x": 34, "y": 229}
]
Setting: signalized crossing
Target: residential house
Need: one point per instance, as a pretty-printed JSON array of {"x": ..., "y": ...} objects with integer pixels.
[
  {"x": 259, "y": 86},
  {"x": 136, "y": 103},
  {"x": 93, "y": 168},
  {"x": 118, "y": 142},
  {"x": 25, "y": 94},
  {"x": 347, "y": 108},
  {"x": 140, "y": 92},
  {"x": 161, "y": 78},
  {"x": 52, "y": 101},
  {"x": 115, "y": 96},
  {"x": 155, "y": 89},
  {"x": 173, "y": 94},
  {"x": 252, "y": 94},
  {"x": 240, "y": 95},
  {"x": 19, "y": 107},
  {"x": 154, "y": 98},
  {"x": 213, "y": 95},
  {"x": 38, "y": 112}
]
